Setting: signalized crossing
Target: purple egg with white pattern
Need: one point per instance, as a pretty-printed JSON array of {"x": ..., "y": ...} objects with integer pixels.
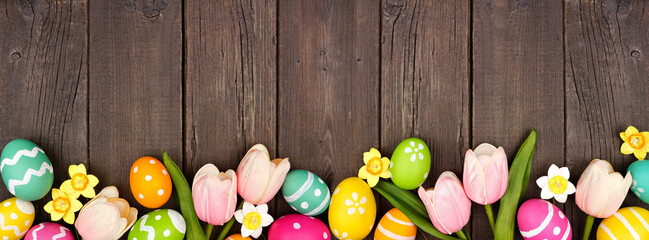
[
  {"x": 49, "y": 231},
  {"x": 298, "y": 226},
  {"x": 538, "y": 220}
]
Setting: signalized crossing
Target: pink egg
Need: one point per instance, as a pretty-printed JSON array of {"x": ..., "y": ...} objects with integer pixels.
[
  {"x": 298, "y": 226},
  {"x": 49, "y": 231},
  {"x": 539, "y": 219}
]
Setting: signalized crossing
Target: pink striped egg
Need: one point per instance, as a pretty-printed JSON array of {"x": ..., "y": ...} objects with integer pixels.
[
  {"x": 48, "y": 230},
  {"x": 298, "y": 226},
  {"x": 538, "y": 220}
]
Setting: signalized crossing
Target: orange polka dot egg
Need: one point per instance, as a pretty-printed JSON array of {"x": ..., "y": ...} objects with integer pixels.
[
  {"x": 395, "y": 225},
  {"x": 237, "y": 237},
  {"x": 150, "y": 182}
]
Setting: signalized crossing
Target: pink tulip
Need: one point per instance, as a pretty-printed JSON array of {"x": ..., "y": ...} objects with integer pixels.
[
  {"x": 600, "y": 190},
  {"x": 448, "y": 206},
  {"x": 215, "y": 194},
  {"x": 485, "y": 173},
  {"x": 105, "y": 217},
  {"x": 260, "y": 178}
]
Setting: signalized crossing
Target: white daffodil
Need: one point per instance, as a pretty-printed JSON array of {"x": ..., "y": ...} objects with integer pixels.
[
  {"x": 253, "y": 219},
  {"x": 555, "y": 184}
]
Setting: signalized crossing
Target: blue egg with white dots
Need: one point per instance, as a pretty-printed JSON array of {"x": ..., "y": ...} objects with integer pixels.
[
  {"x": 640, "y": 173},
  {"x": 306, "y": 192}
]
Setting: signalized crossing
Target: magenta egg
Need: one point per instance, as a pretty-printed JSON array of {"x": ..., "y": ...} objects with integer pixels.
[
  {"x": 539, "y": 219},
  {"x": 298, "y": 226},
  {"x": 49, "y": 231}
]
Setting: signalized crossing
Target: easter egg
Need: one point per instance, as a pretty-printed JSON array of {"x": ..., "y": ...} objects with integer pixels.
[
  {"x": 298, "y": 226},
  {"x": 150, "y": 182},
  {"x": 306, "y": 192},
  {"x": 16, "y": 216},
  {"x": 640, "y": 172},
  {"x": 394, "y": 225},
  {"x": 626, "y": 223},
  {"x": 410, "y": 163},
  {"x": 26, "y": 170},
  {"x": 237, "y": 237},
  {"x": 159, "y": 224},
  {"x": 352, "y": 210},
  {"x": 47, "y": 231},
  {"x": 538, "y": 219}
]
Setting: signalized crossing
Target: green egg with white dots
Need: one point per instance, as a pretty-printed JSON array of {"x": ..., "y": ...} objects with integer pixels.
[
  {"x": 159, "y": 224},
  {"x": 410, "y": 163},
  {"x": 640, "y": 173},
  {"x": 305, "y": 192}
]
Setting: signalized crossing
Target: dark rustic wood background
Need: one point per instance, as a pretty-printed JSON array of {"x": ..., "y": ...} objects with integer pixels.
[{"x": 106, "y": 82}]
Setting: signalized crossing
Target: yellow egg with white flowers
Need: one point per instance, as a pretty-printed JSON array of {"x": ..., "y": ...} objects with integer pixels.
[
  {"x": 352, "y": 211},
  {"x": 16, "y": 217}
]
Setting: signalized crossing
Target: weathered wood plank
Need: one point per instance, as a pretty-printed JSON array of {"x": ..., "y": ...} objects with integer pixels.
[
  {"x": 328, "y": 86},
  {"x": 230, "y": 76},
  {"x": 43, "y": 82},
  {"x": 135, "y": 87},
  {"x": 425, "y": 80},
  {"x": 606, "y": 85},
  {"x": 518, "y": 84},
  {"x": 231, "y": 83}
]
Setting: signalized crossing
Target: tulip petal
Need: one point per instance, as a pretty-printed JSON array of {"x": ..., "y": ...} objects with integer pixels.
[
  {"x": 496, "y": 176},
  {"x": 592, "y": 192},
  {"x": 276, "y": 180},
  {"x": 484, "y": 149},
  {"x": 473, "y": 178},
  {"x": 450, "y": 201},
  {"x": 426, "y": 197},
  {"x": 254, "y": 173},
  {"x": 205, "y": 170},
  {"x": 618, "y": 188}
]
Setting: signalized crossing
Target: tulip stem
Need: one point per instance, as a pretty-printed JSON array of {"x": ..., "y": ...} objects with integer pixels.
[
  {"x": 462, "y": 234},
  {"x": 228, "y": 225},
  {"x": 490, "y": 216},
  {"x": 588, "y": 227},
  {"x": 208, "y": 231}
]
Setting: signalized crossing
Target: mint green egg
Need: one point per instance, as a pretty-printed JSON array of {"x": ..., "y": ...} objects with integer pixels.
[
  {"x": 640, "y": 173},
  {"x": 26, "y": 170},
  {"x": 159, "y": 224},
  {"x": 305, "y": 192},
  {"x": 410, "y": 163}
]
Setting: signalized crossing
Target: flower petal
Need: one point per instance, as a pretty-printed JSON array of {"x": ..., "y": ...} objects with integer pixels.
[
  {"x": 639, "y": 154},
  {"x": 553, "y": 171},
  {"x": 571, "y": 189},
  {"x": 630, "y": 131},
  {"x": 238, "y": 215},
  {"x": 266, "y": 219},
  {"x": 66, "y": 186},
  {"x": 546, "y": 193},
  {"x": 49, "y": 207},
  {"x": 626, "y": 148},
  {"x": 362, "y": 172},
  {"x": 562, "y": 197},
  {"x": 256, "y": 233},
  {"x": 68, "y": 217},
  {"x": 542, "y": 181},
  {"x": 92, "y": 180},
  {"x": 248, "y": 208},
  {"x": 74, "y": 169},
  {"x": 623, "y": 136},
  {"x": 372, "y": 180},
  {"x": 261, "y": 209},
  {"x": 245, "y": 232},
  {"x": 564, "y": 172}
]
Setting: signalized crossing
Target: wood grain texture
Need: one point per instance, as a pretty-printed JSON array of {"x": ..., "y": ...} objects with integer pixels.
[
  {"x": 606, "y": 85},
  {"x": 230, "y": 82},
  {"x": 425, "y": 81},
  {"x": 230, "y": 72},
  {"x": 43, "y": 82},
  {"x": 518, "y": 85},
  {"x": 328, "y": 86},
  {"x": 135, "y": 87}
]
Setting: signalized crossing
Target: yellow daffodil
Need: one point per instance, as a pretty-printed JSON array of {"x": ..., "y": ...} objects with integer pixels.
[
  {"x": 635, "y": 142},
  {"x": 375, "y": 167},
  {"x": 80, "y": 182},
  {"x": 63, "y": 206}
]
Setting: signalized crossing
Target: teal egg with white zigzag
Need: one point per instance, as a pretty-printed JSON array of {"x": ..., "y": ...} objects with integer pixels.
[
  {"x": 159, "y": 224},
  {"x": 307, "y": 193},
  {"x": 640, "y": 173},
  {"x": 26, "y": 170}
]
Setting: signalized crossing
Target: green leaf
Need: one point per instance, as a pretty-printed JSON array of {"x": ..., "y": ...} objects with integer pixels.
[
  {"x": 421, "y": 222},
  {"x": 519, "y": 176},
  {"x": 194, "y": 230},
  {"x": 404, "y": 196}
]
